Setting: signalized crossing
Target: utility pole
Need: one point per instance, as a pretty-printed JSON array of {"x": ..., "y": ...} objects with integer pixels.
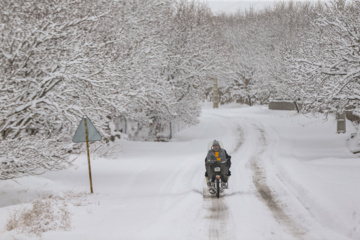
[{"x": 215, "y": 93}]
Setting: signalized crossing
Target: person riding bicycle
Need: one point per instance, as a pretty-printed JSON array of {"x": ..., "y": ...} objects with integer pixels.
[{"x": 217, "y": 152}]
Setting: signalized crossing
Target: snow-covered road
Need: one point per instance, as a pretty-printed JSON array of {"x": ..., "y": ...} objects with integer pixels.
[{"x": 292, "y": 178}]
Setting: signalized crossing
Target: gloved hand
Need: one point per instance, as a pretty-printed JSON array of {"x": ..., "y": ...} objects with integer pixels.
[{"x": 228, "y": 163}]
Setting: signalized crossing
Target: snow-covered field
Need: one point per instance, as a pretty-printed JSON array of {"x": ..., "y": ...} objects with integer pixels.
[{"x": 293, "y": 177}]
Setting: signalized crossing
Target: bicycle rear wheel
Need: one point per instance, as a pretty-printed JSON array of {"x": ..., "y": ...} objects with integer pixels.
[{"x": 217, "y": 188}]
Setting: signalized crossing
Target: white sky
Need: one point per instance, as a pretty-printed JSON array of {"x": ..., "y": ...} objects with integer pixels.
[{"x": 232, "y": 6}]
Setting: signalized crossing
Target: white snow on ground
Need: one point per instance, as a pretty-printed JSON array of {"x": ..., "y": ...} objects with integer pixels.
[{"x": 292, "y": 178}]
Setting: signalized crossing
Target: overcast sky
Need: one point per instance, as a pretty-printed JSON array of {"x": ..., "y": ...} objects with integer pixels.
[{"x": 231, "y": 6}]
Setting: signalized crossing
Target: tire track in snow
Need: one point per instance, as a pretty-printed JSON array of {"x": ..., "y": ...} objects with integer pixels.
[
  {"x": 218, "y": 216},
  {"x": 218, "y": 212},
  {"x": 241, "y": 139},
  {"x": 266, "y": 194}
]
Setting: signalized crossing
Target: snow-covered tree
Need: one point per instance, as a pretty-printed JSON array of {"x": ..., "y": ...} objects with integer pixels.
[
  {"x": 259, "y": 42},
  {"x": 60, "y": 60},
  {"x": 43, "y": 47},
  {"x": 193, "y": 57},
  {"x": 326, "y": 70}
]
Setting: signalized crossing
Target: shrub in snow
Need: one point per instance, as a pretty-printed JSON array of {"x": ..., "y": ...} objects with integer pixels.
[
  {"x": 43, "y": 215},
  {"x": 48, "y": 213}
]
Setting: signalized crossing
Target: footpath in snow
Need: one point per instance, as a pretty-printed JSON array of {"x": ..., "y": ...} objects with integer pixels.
[{"x": 293, "y": 177}]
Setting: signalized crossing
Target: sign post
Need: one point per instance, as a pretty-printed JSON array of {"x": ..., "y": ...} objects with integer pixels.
[
  {"x": 87, "y": 132},
  {"x": 88, "y": 153}
]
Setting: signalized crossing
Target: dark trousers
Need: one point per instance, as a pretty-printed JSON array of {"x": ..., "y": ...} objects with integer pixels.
[{"x": 225, "y": 172}]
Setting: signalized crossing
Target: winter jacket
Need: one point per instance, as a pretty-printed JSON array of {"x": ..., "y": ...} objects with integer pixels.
[{"x": 222, "y": 154}]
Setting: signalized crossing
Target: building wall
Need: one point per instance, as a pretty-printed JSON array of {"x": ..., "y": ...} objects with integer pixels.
[{"x": 282, "y": 105}]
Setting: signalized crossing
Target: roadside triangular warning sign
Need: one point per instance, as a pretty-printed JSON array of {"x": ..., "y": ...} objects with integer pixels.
[{"x": 93, "y": 134}]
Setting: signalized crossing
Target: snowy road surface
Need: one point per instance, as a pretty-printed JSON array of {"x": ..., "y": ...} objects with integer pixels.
[{"x": 292, "y": 178}]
